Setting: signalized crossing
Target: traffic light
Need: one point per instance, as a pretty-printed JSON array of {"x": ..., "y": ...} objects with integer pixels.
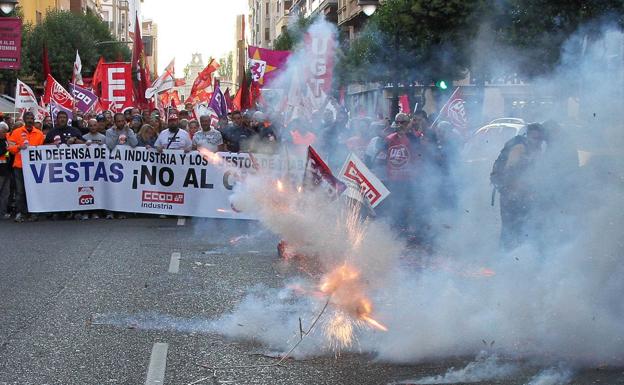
[{"x": 441, "y": 84}]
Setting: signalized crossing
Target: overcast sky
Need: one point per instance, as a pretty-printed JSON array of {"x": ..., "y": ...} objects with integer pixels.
[{"x": 193, "y": 26}]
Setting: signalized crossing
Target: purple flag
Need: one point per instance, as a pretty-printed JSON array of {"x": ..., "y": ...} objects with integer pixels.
[
  {"x": 218, "y": 103},
  {"x": 85, "y": 98}
]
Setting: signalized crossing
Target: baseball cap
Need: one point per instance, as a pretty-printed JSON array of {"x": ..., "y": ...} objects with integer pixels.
[
  {"x": 100, "y": 117},
  {"x": 173, "y": 116}
]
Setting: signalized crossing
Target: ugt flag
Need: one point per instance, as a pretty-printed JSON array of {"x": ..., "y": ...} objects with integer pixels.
[
  {"x": 85, "y": 98},
  {"x": 265, "y": 64},
  {"x": 454, "y": 111}
]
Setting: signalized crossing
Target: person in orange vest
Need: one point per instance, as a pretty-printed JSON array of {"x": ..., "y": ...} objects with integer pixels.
[
  {"x": 5, "y": 173},
  {"x": 20, "y": 139}
]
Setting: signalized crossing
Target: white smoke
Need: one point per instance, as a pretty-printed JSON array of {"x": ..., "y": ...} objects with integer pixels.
[
  {"x": 556, "y": 296},
  {"x": 486, "y": 367},
  {"x": 552, "y": 376}
]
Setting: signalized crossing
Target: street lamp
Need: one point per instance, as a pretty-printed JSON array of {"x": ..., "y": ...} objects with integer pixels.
[
  {"x": 368, "y": 6},
  {"x": 7, "y": 6}
]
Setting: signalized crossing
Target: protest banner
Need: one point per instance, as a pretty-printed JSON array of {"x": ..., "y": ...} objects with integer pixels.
[{"x": 136, "y": 180}]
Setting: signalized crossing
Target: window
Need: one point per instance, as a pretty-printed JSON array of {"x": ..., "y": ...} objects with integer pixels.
[
  {"x": 267, "y": 34},
  {"x": 267, "y": 13}
]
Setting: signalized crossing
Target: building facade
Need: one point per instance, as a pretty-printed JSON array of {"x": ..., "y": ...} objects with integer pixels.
[
  {"x": 350, "y": 17},
  {"x": 120, "y": 16},
  {"x": 240, "y": 55},
  {"x": 34, "y": 11},
  {"x": 82, "y": 6},
  {"x": 149, "y": 33},
  {"x": 263, "y": 18},
  {"x": 195, "y": 66}
]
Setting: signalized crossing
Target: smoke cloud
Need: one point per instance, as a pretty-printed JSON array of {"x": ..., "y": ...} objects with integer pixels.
[{"x": 557, "y": 297}]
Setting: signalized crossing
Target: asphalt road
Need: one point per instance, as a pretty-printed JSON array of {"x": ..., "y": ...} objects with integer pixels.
[{"x": 69, "y": 291}]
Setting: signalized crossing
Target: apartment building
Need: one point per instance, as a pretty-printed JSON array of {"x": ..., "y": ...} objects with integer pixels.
[
  {"x": 34, "y": 11},
  {"x": 149, "y": 33},
  {"x": 120, "y": 16}
]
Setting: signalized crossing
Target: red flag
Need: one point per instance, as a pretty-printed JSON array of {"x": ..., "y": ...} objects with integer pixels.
[
  {"x": 404, "y": 105},
  {"x": 180, "y": 82},
  {"x": 98, "y": 76},
  {"x": 54, "y": 91},
  {"x": 255, "y": 96},
  {"x": 317, "y": 174},
  {"x": 454, "y": 111},
  {"x": 46, "y": 62},
  {"x": 138, "y": 65},
  {"x": 204, "y": 78},
  {"x": 117, "y": 84},
  {"x": 228, "y": 99}
]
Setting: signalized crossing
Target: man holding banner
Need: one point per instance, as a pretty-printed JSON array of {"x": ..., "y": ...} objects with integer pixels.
[{"x": 20, "y": 139}]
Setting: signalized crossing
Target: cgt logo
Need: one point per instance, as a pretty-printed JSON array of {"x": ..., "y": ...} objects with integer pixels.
[
  {"x": 85, "y": 197},
  {"x": 162, "y": 197}
]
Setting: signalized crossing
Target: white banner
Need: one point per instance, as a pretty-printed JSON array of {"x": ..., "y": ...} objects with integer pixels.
[{"x": 80, "y": 177}]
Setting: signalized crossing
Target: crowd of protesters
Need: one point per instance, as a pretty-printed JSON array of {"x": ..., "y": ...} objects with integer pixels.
[{"x": 414, "y": 158}]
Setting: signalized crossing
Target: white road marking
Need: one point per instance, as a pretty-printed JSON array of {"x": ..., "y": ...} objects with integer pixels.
[
  {"x": 157, "y": 365},
  {"x": 174, "y": 263},
  {"x": 181, "y": 221}
]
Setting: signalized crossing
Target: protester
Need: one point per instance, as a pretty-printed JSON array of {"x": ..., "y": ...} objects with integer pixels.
[
  {"x": 5, "y": 173},
  {"x": 183, "y": 124},
  {"x": 120, "y": 133},
  {"x": 173, "y": 138},
  {"x": 193, "y": 127},
  {"x": 94, "y": 136},
  {"x": 208, "y": 138},
  {"x": 513, "y": 176},
  {"x": 109, "y": 119},
  {"x": 375, "y": 155},
  {"x": 157, "y": 124},
  {"x": 236, "y": 137},
  {"x": 20, "y": 139},
  {"x": 62, "y": 133},
  {"x": 402, "y": 168},
  {"x": 147, "y": 136},
  {"x": 445, "y": 157},
  {"x": 136, "y": 123}
]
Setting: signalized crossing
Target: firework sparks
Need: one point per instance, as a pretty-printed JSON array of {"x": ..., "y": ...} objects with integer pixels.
[
  {"x": 279, "y": 186},
  {"x": 348, "y": 293}
]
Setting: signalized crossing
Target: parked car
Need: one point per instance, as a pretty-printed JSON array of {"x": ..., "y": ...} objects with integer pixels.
[{"x": 485, "y": 144}]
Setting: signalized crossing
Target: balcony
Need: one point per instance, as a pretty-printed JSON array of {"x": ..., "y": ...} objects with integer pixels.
[{"x": 123, "y": 5}]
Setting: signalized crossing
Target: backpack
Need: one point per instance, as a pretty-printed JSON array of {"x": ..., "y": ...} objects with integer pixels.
[{"x": 497, "y": 176}]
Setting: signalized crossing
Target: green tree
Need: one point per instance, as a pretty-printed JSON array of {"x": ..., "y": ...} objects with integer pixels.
[
  {"x": 225, "y": 68},
  {"x": 293, "y": 35},
  {"x": 416, "y": 40},
  {"x": 64, "y": 32},
  {"x": 537, "y": 29}
]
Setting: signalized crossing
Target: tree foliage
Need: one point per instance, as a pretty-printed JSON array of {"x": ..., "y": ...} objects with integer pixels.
[
  {"x": 63, "y": 33},
  {"x": 426, "y": 40},
  {"x": 538, "y": 29},
  {"x": 419, "y": 40},
  {"x": 226, "y": 69},
  {"x": 293, "y": 35}
]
